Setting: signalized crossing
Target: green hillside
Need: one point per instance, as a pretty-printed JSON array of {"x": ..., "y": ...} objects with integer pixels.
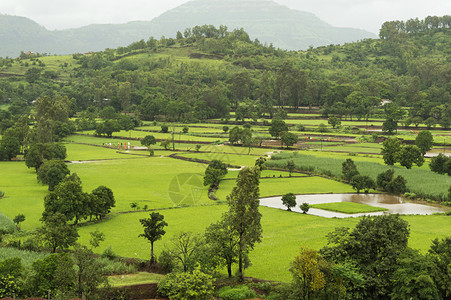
[{"x": 265, "y": 20}]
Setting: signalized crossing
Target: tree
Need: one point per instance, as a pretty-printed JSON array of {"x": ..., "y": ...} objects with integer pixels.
[
  {"x": 9, "y": 144},
  {"x": 373, "y": 246},
  {"x": 19, "y": 219},
  {"x": 291, "y": 166},
  {"x": 166, "y": 144},
  {"x": 38, "y": 153},
  {"x": 54, "y": 274},
  {"x": 383, "y": 179},
  {"x": 349, "y": 169},
  {"x": 223, "y": 242},
  {"x": 153, "y": 231},
  {"x": 389, "y": 126},
  {"x": 440, "y": 255},
  {"x": 304, "y": 207},
  {"x": 185, "y": 249},
  {"x": 164, "y": 128},
  {"x": 361, "y": 182},
  {"x": 89, "y": 273},
  {"x": 412, "y": 277},
  {"x": 437, "y": 164},
  {"x": 69, "y": 199},
  {"x": 102, "y": 200},
  {"x": 147, "y": 141},
  {"x": 235, "y": 135},
  {"x": 277, "y": 127},
  {"x": 397, "y": 185},
  {"x": 409, "y": 155},
  {"x": 424, "y": 141},
  {"x": 334, "y": 122},
  {"x": 289, "y": 139},
  {"x": 243, "y": 214},
  {"x": 390, "y": 150},
  {"x": 307, "y": 275},
  {"x": 56, "y": 233},
  {"x": 289, "y": 200},
  {"x": 52, "y": 172},
  {"x": 215, "y": 171}
]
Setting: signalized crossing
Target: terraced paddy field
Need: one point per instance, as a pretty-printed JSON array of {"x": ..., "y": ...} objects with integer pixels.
[{"x": 159, "y": 182}]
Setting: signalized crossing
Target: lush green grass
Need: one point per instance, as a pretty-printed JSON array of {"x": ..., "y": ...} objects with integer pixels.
[
  {"x": 79, "y": 152},
  {"x": 28, "y": 257},
  {"x": 132, "y": 279},
  {"x": 283, "y": 234},
  {"x": 419, "y": 181},
  {"x": 6, "y": 224},
  {"x": 23, "y": 194},
  {"x": 143, "y": 180},
  {"x": 348, "y": 207}
]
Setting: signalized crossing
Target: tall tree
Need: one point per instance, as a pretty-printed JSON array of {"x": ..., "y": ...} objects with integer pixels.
[
  {"x": 424, "y": 141},
  {"x": 153, "y": 231},
  {"x": 243, "y": 214},
  {"x": 390, "y": 150}
]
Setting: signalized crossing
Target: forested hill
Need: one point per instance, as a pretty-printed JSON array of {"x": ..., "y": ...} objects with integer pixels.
[
  {"x": 208, "y": 72},
  {"x": 262, "y": 19}
]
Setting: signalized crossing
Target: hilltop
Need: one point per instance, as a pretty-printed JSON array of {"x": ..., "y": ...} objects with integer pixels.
[{"x": 264, "y": 20}]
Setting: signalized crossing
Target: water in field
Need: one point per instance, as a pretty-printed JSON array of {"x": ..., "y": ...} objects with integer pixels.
[{"x": 394, "y": 204}]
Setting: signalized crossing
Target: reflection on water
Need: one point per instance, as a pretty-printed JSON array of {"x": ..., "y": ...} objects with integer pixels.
[{"x": 394, "y": 204}]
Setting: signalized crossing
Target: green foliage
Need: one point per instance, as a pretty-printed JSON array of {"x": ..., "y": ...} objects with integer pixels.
[
  {"x": 304, "y": 207},
  {"x": 424, "y": 141},
  {"x": 148, "y": 140},
  {"x": 278, "y": 126},
  {"x": 236, "y": 293},
  {"x": 243, "y": 215},
  {"x": 390, "y": 149},
  {"x": 362, "y": 182},
  {"x": 440, "y": 255},
  {"x": 190, "y": 286},
  {"x": 409, "y": 155},
  {"x": 153, "y": 230},
  {"x": 289, "y": 139},
  {"x": 289, "y": 200},
  {"x": 6, "y": 224},
  {"x": 215, "y": 171},
  {"x": 438, "y": 164},
  {"x": 56, "y": 233},
  {"x": 164, "y": 128},
  {"x": 37, "y": 154},
  {"x": 52, "y": 172},
  {"x": 373, "y": 246},
  {"x": 349, "y": 170},
  {"x": 334, "y": 122}
]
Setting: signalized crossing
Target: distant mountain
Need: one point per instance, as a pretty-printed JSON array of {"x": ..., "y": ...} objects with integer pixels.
[{"x": 262, "y": 19}]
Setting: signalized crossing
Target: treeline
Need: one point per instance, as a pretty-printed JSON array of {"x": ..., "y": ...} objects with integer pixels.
[
  {"x": 415, "y": 25},
  {"x": 156, "y": 80}
]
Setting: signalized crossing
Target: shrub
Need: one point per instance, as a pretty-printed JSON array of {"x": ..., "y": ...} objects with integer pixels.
[
  {"x": 2, "y": 194},
  {"x": 112, "y": 267},
  {"x": 109, "y": 253},
  {"x": 164, "y": 128},
  {"x": 185, "y": 129},
  {"x": 195, "y": 285},
  {"x": 6, "y": 224},
  {"x": 236, "y": 293}
]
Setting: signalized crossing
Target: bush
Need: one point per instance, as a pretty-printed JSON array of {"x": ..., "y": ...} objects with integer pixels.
[
  {"x": 164, "y": 128},
  {"x": 116, "y": 267},
  {"x": 195, "y": 285},
  {"x": 6, "y": 224},
  {"x": 109, "y": 253},
  {"x": 2, "y": 194},
  {"x": 236, "y": 293}
]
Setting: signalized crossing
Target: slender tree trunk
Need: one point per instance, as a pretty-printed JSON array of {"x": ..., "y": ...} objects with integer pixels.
[
  {"x": 229, "y": 269},
  {"x": 240, "y": 259},
  {"x": 152, "y": 258}
]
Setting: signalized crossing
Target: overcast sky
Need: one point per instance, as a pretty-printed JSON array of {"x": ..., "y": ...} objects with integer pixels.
[{"x": 365, "y": 14}]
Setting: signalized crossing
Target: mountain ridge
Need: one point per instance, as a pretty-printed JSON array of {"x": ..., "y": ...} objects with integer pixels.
[{"x": 263, "y": 19}]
